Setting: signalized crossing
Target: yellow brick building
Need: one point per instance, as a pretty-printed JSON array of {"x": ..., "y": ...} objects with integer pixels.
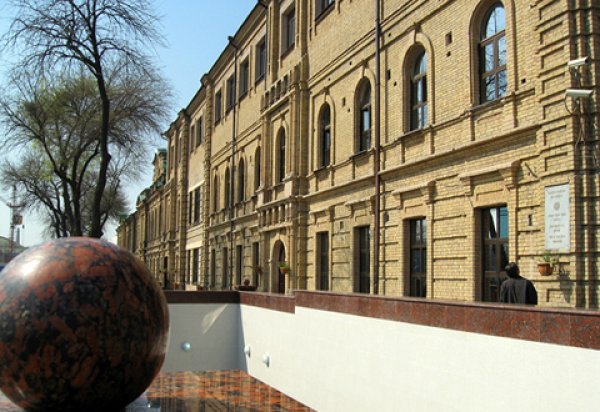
[{"x": 401, "y": 148}]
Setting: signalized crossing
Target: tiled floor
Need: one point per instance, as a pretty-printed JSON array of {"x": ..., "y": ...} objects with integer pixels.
[{"x": 233, "y": 391}]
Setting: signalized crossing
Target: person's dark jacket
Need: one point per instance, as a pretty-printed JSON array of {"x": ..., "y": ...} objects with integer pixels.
[{"x": 518, "y": 290}]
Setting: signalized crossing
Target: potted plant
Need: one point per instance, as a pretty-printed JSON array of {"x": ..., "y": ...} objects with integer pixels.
[
  {"x": 246, "y": 286},
  {"x": 546, "y": 267},
  {"x": 284, "y": 267}
]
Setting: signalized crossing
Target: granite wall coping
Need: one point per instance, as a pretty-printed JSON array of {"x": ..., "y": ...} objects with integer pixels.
[{"x": 568, "y": 327}]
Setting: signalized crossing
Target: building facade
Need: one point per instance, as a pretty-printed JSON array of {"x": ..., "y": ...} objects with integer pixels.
[{"x": 395, "y": 148}]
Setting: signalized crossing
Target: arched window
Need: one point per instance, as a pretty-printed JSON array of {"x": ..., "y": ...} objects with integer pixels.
[
  {"x": 492, "y": 54},
  {"x": 257, "y": 168},
  {"x": 216, "y": 194},
  {"x": 418, "y": 92},
  {"x": 325, "y": 136},
  {"x": 241, "y": 181},
  {"x": 227, "y": 189},
  {"x": 281, "y": 156},
  {"x": 364, "y": 117}
]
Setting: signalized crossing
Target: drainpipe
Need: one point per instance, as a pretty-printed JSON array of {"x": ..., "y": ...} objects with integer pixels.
[
  {"x": 377, "y": 165},
  {"x": 232, "y": 176}
]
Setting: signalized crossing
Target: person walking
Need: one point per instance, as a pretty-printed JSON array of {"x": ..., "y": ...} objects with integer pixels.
[{"x": 517, "y": 289}]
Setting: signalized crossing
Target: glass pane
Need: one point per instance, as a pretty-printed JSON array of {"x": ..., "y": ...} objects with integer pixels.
[
  {"x": 495, "y": 22},
  {"x": 488, "y": 57},
  {"x": 325, "y": 117},
  {"x": 424, "y": 261},
  {"x": 415, "y": 265},
  {"x": 503, "y": 212},
  {"x": 366, "y": 120},
  {"x": 502, "y": 81},
  {"x": 504, "y": 256},
  {"x": 424, "y": 230},
  {"x": 420, "y": 91},
  {"x": 490, "y": 221},
  {"x": 416, "y": 232},
  {"x": 421, "y": 65},
  {"x": 491, "y": 259},
  {"x": 502, "y": 51},
  {"x": 490, "y": 88},
  {"x": 424, "y": 116},
  {"x": 500, "y": 19}
]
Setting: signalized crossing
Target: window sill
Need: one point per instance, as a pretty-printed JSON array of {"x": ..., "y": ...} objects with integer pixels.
[
  {"x": 287, "y": 51},
  {"x": 489, "y": 104},
  {"x": 362, "y": 153},
  {"x": 324, "y": 13},
  {"x": 414, "y": 132},
  {"x": 242, "y": 96},
  {"x": 322, "y": 169},
  {"x": 259, "y": 79}
]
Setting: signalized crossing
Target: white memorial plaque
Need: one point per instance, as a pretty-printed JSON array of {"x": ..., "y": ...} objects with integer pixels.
[{"x": 557, "y": 218}]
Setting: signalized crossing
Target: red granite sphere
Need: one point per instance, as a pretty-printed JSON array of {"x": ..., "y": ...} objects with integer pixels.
[{"x": 83, "y": 327}]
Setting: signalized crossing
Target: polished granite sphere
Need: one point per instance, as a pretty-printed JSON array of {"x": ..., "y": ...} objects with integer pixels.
[{"x": 83, "y": 327}]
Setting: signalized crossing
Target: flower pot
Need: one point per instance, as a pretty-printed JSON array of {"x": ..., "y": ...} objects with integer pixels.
[
  {"x": 284, "y": 270},
  {"x": 545, "y": 269}
]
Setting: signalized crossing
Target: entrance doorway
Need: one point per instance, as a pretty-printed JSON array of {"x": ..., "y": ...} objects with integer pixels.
[
  {"x": 494, "y": 223},
  {"x": 281, "y": 274}
]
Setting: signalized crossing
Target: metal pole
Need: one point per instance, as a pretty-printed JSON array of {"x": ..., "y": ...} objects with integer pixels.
[
  {"x": 377, "y": 165},
  {"x": 232, "y": 176}
]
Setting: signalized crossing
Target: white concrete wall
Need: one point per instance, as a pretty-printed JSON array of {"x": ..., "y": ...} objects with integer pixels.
[
  {"x": 336, "y": 362},
  {"x": 213, "y": 331}
]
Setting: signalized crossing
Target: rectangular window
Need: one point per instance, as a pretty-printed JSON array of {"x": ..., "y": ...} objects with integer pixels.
[
  {"x": 363, "y": 255},
  {"x": 192, "y": 136},
  {"x": 418, "y": 258},
  {"x": 195, "y": 265},
  {"x": 199, "y": 132},
  {"x": 288, "y": 31},
  {"x": 322, "y": 6},
  {"x": 197, "y": 214},
  {"x": 323, "y": 261},
  {"x": 218, "y": 106},
  {"x": 230, "y": 93},
  {"x": 213, "y": 268},
  {"x": 256, "y": 262},
  {"x": 244, "y": 76},
  {"x": 239, "y": 264},
  {"x": 261, "y": 60},
  {"x": 190, "y": 208},
  {"x": 225, "y": 270}
]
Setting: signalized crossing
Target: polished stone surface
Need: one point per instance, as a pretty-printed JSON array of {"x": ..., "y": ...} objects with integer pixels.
[
  {"x": 83, "y": 327},
  {"x": 205, "y": 391}
]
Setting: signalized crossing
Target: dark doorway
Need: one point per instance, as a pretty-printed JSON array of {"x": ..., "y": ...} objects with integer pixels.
[
  {"x": 494, "y": 222},
  {"x": 364, "y": 259},
  {"x": 281, "y": 277}
]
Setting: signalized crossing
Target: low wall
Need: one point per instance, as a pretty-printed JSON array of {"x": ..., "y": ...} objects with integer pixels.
[
  {"x": 354, "y": 352},
  {"x": 210, "y": 323}
]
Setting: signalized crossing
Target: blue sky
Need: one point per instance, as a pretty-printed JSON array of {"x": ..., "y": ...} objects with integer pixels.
[{"x": 196, "y": 33}]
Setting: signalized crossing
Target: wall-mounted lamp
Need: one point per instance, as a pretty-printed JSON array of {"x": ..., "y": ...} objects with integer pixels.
[
  {"x": 266, "y": 359},
  {"x": 186, "y": 346},
  {"x": 582, "y": 61},
  {"x": 578, "y": 93},
  {"x": 247, "y": 350}
]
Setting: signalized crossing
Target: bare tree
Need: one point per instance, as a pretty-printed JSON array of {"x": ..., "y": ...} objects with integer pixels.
[
  {"x": 106, "y": 38},
  {"x": 54, "y": 124}
]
